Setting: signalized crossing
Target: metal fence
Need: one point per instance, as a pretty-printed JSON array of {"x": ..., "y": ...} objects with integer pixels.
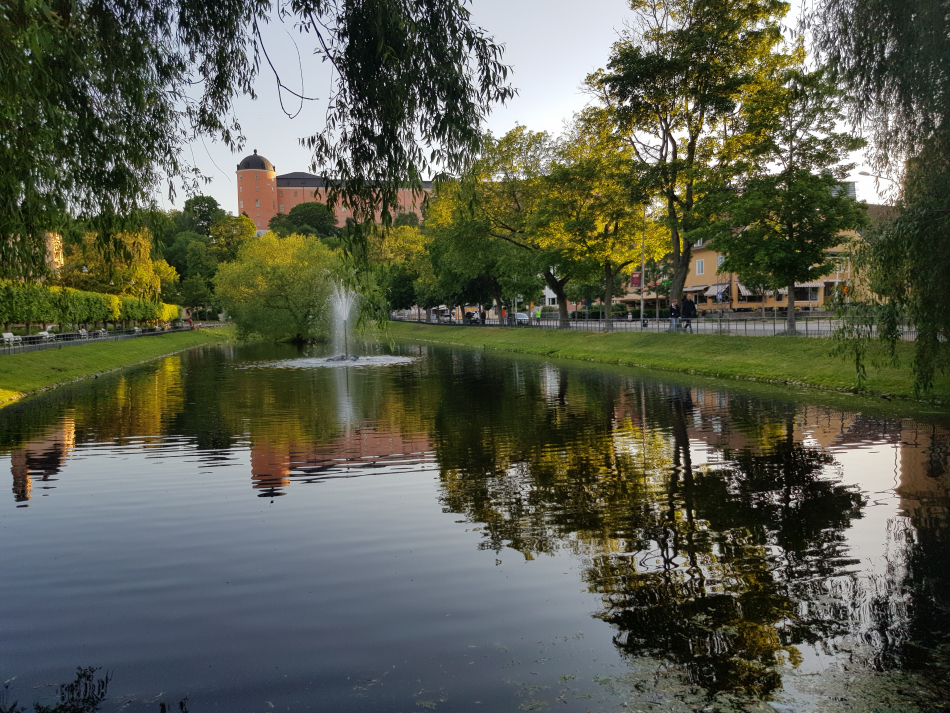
[
  {"x": 744, "y": 327},
  {"x": 36, "y": 343}
]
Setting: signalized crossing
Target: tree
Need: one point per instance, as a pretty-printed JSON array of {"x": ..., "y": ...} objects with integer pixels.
[
  {"x": 96, "y": 99},
  {"x": 311, "y": 218},
  {"x": 204, "y": 212},
  {"x": 673, "y": 85},
  {"x": 278, "y": 288},
  {"x": 228, "y": 234},
  {"x": 588, "y": 212},
  {"x": 780, "y": 224},
  {"x": 891, "y": 55},
  {"x": 498, "y": 199},
  {"x": 130, "y": 271}
]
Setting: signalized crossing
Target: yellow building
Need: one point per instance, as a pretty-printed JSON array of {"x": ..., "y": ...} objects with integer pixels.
[{"x": 712, "y": 289}]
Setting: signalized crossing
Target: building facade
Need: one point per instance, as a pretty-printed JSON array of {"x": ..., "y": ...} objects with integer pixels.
[{"x": 262, "y": 194}]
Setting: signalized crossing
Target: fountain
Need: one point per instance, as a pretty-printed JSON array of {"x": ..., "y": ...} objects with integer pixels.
[{"x": 341, "y": 304}]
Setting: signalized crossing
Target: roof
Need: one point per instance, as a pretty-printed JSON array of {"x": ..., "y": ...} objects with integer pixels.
[
  {"x": 255, "y": 162},
  {"x": 301, "y": 179}
]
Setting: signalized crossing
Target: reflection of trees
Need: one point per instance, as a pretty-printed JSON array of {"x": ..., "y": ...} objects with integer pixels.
[{"x": 713, "y": 570}]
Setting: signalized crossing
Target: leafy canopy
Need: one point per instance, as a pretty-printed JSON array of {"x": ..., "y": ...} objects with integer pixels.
[
  {"x": 674, "y": 85},
  {"x": 98, "y": 101},
  {"x": 277, "y": 288}
]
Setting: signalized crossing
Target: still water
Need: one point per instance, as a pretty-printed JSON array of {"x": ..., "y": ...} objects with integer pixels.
[{"x": 467, "y": 532}]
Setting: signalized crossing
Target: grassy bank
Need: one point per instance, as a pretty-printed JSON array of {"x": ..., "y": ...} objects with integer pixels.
[
  {"x": 774, "y": 360},
  {"x": 27, "y": 373}
]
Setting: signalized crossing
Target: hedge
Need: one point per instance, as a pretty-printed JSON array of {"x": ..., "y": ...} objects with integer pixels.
[{"x": 28, "y": 302}]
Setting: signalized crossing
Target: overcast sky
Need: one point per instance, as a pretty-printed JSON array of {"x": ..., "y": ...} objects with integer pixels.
[{"x": 551, "y": 44}]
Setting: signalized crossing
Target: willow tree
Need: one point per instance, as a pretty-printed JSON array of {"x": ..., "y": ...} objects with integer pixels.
[
  {"x": 99, "y": 100},
  {"x": 674, "y": 83},
  {"x": 892, "y": 58}
]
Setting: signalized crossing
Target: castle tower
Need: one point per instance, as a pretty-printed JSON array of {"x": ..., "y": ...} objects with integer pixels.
[{"x": 257, "y": 190}]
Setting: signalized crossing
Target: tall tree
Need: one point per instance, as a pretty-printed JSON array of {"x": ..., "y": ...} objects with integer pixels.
[
  {"x": 780, "y": 224},
  {"x": 499, "y": 196},
  {"x": 673, "y": 83},
  {"x": 588, "y": 212},
  {"x": 97, "y": 99},
  {"x": 891, "y": 55}
]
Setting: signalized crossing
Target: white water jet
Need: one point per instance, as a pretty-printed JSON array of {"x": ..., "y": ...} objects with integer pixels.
[{"x": 342, "y": 300}]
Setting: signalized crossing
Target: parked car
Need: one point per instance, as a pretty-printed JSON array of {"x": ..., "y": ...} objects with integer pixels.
[{"x": 521, "y": 318}]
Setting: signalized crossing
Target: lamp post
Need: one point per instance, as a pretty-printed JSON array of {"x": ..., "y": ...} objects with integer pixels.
[{"x": 643, "y": 244}]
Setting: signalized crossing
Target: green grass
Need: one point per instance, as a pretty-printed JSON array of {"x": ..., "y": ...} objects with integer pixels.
[
  {"x": 775, "y": 360},
  {"x": 26, "y": 373}
]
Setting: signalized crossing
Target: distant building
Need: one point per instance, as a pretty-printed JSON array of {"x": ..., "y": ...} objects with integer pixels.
[{"x": 262, "y": 194}]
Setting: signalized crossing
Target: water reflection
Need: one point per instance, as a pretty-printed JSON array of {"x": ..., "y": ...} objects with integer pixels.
[{"x": 716, "y": 529}]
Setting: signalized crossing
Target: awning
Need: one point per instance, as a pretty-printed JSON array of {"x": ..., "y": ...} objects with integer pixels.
[
  {"x": 723, "y": 287},
  {"x": 802, "y": 284},
  {"x": 743, "y": 290},
  {"x": 695, "y": 288}
]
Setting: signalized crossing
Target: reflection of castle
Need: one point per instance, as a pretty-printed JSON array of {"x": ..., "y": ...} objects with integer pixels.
[
  {"x": 354, "y": 453},
  {"x": 41, "y": 457}
]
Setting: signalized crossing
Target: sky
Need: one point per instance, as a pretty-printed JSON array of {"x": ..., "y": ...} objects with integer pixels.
[{"x": 551, "y": 45}]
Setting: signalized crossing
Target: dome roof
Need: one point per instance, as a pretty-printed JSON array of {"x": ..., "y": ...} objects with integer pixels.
[{"x": 254, "y": 162}]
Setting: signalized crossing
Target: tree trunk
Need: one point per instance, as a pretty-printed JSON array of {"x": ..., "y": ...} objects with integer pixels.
[
  {"x": 791, "y": 307},
  {"x": 500, "y": 309},
  {"x": 557, "y": 287},
  {"x": 608, "y": 293},
  {"x": 680, "y": 268}
]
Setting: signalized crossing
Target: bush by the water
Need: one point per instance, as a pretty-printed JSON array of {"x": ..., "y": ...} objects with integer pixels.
[
  {"x": 34, "y": 303},
  {"x": 278, "y": 288}
]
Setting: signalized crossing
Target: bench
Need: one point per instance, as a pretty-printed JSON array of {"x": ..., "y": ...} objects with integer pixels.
[{"x": 11, "y": 338}]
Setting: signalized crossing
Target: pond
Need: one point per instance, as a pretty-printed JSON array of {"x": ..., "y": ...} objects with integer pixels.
[{"x": 466, "y": 531}]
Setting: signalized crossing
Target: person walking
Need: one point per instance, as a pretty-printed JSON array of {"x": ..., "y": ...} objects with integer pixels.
[
  {"x": 674, "y": 316},
  {"x": 689, "y": 313}
]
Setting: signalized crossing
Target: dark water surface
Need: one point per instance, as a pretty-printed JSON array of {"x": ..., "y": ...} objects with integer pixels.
[{"x": 468, "y": 532}]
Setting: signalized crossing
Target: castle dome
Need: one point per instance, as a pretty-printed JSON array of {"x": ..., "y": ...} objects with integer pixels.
[{"x": 255, "y": 162}]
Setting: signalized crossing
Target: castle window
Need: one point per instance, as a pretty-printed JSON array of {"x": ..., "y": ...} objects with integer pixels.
[
  {"x": 281, "y": 207},
  {"x": 280, "y": 193},
  {"x": 257, "y": 188},
  {"x": 240, "y": 189},
  {"x": 257, "y": 203},
  {"x": 242, "y": 205},
  {"x": 255, "y": 176},
  {"x": 295, "y": 194}
]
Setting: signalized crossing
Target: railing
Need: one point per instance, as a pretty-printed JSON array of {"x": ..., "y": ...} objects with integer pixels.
[
  {"x": 36, "y": 343},
  {"x": 744, "y": 327}
]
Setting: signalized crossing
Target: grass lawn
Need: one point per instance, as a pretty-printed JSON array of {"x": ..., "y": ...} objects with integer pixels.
[
  {"x": 782, "y": 360},
  {"x": 23, "y": 374}
]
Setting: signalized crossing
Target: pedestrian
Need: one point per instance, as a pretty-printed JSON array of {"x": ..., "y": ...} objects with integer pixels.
[
  {"x": 674, "y": 316},
  {"x": 689, "y": 313}
]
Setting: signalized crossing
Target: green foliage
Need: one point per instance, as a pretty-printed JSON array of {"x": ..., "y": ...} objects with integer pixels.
[
  {"x": 96, "y": 101},
  {"x": 311, "y": 218},
  {"x": 203, "y": 212},
  {"x": 409, "y": 220},
  {"x": 891, "y": 55},
  {"x": 674, "y": 85},
  {"x": 25, "y": 302},
  {"x": 277, "y": 288},
  {"x": 777, "y": 226},
  {"x": 228, "y": 234}
]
